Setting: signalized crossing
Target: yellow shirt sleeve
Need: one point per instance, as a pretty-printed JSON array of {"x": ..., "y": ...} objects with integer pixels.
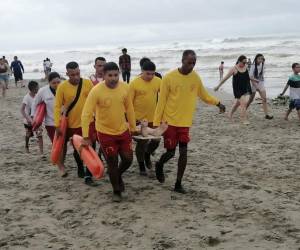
[
  {"x": 88, "y": 113},
  {"x": 205, "y": 96},
  {"x": 58, "y": 102},
  {"x": 162, "y": 101}
]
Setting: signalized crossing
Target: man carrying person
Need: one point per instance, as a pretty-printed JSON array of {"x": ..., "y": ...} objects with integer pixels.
[
  {"x": 144, "y": 94},
  {"x": 125, "y": 65},
  {"x": 65, "y": 97},
  {"x": 176, "y": 105},
  {"x": 110, "y": 101}
]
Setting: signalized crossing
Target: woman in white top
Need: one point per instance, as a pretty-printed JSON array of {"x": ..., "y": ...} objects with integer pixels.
[
  {"x": 4, "y": 75},
  {"x": 46, "y": 94},
  {"x": 257, "y": 72}
]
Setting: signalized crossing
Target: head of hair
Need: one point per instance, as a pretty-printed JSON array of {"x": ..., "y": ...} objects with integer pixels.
[
  {"x": 110, "y": 66},
  {"x": 3, "y": 57},
  {"x": 100, "y": 58},
  {"x": 294, "y": 65},
  {"x": 255, "y": 64},
  {"x": 32, "y": 85},
  {"x": 241, "y": 58},
  {"x": 187, "y": 53},
  {"x": 124, "y": 50},
  {"x": 149, "y": 66},
  {"x": 53, "y": 75},
  {"x": 143, "y": 60},
  {"x": 72, "y": 65},
  {"x": 222, "y": 62}
]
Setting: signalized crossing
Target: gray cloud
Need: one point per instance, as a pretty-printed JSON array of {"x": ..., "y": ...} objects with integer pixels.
[{"x": 31, "y": 24}]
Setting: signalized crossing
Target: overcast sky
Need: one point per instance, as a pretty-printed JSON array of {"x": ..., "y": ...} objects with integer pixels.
[{"x": 38, "y": 24}]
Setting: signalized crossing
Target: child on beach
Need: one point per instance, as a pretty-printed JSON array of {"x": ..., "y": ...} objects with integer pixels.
[
  {"x": 294, "y": 84},
  {"x": 26, "y": 113}
]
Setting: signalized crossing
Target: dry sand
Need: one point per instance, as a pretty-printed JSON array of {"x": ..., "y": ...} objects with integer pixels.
[{"x": 243, "y": 183}]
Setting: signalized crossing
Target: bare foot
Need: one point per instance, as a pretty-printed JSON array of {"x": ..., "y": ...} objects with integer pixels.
[
  {"x": 286, "y": 119},
  {"x": 229, "y": 116},
  {"x": 246, "y": 122}
]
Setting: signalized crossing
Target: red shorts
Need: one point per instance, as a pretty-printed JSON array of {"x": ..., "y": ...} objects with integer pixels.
[
  {"x": 50, "y": 132},
  {"x": 173, "y": 135},
  {"x": 112, "y": 145}
]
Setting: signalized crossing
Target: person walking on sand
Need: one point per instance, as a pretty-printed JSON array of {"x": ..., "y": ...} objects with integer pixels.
[
  {"x": 4, "y": 76},
  {"x": 66, "y": 98},
  {"x": 18, "y": 70},
  {"x": 221, "y": 70},
  {"x": 294, "y": 84},
  {"x": 46, "y": 95},
  {"x": 241, "y": 87},
  {"x": 125, "y": 65},
  {"x": 176, "y": 105},
  {"x": 98, "y": 76},
  {"x": 249, "y": 63},
  {"x": 110, "y": 101},
  {"x": 26, "y": 113},
  {"x": 144, "y": 93},
  {"x": 257, "y": 72}
]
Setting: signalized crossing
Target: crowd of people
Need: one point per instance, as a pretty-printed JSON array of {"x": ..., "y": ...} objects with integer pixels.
[{"x": 109, "y": 112}]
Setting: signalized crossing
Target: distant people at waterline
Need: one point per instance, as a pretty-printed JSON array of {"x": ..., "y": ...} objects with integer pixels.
[
  {"x": 221, "y": 70},
  {"x": 125, "y": 65}
]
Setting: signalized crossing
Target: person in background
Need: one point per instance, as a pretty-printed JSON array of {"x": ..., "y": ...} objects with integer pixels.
[
  {"x": 294, "y": 84},
  {"x": 4, "y": 76},
  {"x": 18, "y": 70},
  {"x": 98, "y": 76},
  {"x": 125, "y": 65},
  {"x": 249, "y": 63},
  {"x": 221, "y": 70},
  {"x": 257, "y": 77}
]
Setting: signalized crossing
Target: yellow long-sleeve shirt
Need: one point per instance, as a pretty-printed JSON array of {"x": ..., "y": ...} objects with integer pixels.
[
  {"x": 65, "y": 94},
  {"x": 177, "y": 98},
  {"x": 109, "y": 106},
  {"x": 144, "y": 97}
]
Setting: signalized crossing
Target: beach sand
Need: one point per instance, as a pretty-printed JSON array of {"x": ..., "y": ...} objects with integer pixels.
[{"x": 243, "y": 186}]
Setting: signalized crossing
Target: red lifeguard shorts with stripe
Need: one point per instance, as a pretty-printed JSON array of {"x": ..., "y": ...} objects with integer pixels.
[
  {"x": 112, "y": 145},
  {"x": 174, "y": 135}
]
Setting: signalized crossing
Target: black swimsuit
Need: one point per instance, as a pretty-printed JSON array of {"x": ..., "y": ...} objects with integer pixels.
[{"x": 241, "y": 84}]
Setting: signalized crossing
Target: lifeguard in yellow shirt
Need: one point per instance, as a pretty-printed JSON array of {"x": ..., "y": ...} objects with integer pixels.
[
  {"x": 144, "y": 91},
  {"x": 65, "y": 94},
  {"x": 109, "y": 101},
  {"x": 176, "y": 105}
]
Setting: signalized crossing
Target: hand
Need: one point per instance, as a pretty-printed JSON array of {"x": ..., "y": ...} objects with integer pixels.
[
  {"x": 281, "y": 94},
  {"x": 58, "y": 132},
  {"x": 216, "y": 89},
  {"x": 221, "y": 107},
  {"x": 85, "y": 142},
  {"x": 29, "y": 120}
]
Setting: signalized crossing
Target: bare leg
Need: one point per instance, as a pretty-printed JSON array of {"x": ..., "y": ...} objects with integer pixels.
[
  {"x": 234, "y": 108},
  {"x": 40, "y": 143},
  {"x": 286, "y": 117},
  {"x": 252, "y": 96},
  {"x": 243, "y": 103},
  {"x": 263, "y": 96}
]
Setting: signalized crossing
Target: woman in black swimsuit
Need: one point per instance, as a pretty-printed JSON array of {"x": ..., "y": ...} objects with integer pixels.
[{"x": 241, "y": 87}]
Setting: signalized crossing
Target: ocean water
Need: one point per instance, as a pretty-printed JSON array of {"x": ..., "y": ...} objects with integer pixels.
[{"x": 280, "y": 52}]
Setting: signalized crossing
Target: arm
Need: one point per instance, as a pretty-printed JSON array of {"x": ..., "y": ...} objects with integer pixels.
[
  {"x": 21, "y": 66},
  {"x": 37, "y": 100},
  {"x": 87, "y": 113},
  {"x": 129, "y": 62},
  {"x": 285, "y": 89},
  {"x": 11, "y": 67},
  {"x": 162, "y": 101},
  {"x": 131, "y": 92},
  {"x": 251, "y": 75},
  {"x": 58, "y": 103},
  {"x": 229, "y": 74},
  {"x": 130, "y": 113},
  {"x": 205, "y": 96},
  {"x": 27, "y": 117}
]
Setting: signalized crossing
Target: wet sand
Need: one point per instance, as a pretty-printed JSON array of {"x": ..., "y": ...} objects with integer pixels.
[{"x": 243, "y": 186}]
